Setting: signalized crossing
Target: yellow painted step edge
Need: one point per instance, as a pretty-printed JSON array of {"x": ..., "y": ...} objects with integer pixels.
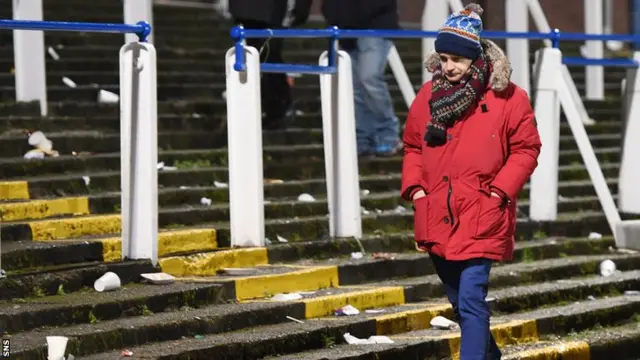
[
  {"x": 14, "y": 190},
  {"x": 508, "y": 333},
  {"x": 40, "y": 209},
  {"x": 315, "y": 278},
  {"x": 411, "y": 320},
  {"x": 572, "y": 350},
  {"x": 169, "y": 242},
  {"x": 209, "y": 264},
  {"x": 68, "y": 228},
  {"x": 362, "y": 299}
]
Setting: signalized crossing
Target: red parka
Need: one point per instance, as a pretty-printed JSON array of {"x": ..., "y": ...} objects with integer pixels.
[{"x": 493, "y": 148}]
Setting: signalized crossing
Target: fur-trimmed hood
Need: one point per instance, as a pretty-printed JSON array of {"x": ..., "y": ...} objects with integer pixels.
[{"x": 500, "y": 65}]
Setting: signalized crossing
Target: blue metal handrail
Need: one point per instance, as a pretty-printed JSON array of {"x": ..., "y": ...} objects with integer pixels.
[
  {"x": 240, "y": 34},
  {"x": 142, "y": 28},
  {"x": 581, "y": 61}
]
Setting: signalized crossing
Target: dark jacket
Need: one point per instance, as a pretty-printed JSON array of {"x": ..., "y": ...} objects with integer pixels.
[
  {"x": 361, "y": 14},
  {"x": 271, "y": 12}
]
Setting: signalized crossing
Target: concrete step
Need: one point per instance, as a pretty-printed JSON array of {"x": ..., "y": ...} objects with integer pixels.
[
  {"x": 596, "y": 344},
  {"x": 60, "y": 218},
  {"x": 67, "y": 141},
  {"x": 519, "y": 339},
  {"x": 275, "y": 336},
  {"x": 40, "y": 281},
  {"x": 188, "y": 249},
  {"x": 608, "y": 124},
  {"x": 307, "y": 162},
  {"x": 181, "y": 92},
  {"x": 292, "y": 220},
  {"x": 601, "y": 109},
  {"x": 113, "y": 77},
  {"x": 107, "y": 199}
]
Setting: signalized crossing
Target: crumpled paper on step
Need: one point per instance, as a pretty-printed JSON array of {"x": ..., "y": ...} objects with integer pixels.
[
  {"x": 43, "y": 146},
  {"x": 375, "y": 339}
]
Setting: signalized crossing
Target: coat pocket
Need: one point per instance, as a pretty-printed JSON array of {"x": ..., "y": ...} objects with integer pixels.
[
  {"x": 421, "y": 219},
  {"x": 494, "y": 220}
]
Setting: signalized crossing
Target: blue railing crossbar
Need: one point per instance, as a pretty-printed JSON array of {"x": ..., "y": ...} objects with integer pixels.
[
  {"x": 239, "y": 34},
  {"x": 142, "y": 28},
  {"x": 581, "y": 61}
]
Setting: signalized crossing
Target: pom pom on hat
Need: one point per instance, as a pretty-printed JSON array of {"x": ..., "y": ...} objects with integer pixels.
[
  {"x": 476, "y": 8},
  {"x": 460, "y": 34}
]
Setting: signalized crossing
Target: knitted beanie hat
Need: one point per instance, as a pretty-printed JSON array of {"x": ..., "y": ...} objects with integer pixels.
[{"x": 460, "y": 34}]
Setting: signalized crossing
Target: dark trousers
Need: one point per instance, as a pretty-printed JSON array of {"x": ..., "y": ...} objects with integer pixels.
[
  {"x": 466, "y": 284},
  {"x": 275, "y": 91}
]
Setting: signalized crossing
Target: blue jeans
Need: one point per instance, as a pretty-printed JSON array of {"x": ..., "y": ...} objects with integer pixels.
[
  {"x": 376, "y": 122},
  {"x": 466, "y": 284}
]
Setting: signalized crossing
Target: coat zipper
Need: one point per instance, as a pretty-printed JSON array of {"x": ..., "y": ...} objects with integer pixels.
[{"x": 449, "y": 203}]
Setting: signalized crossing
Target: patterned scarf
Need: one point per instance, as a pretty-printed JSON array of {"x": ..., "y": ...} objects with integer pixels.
[{"x": 449, "y": 102}]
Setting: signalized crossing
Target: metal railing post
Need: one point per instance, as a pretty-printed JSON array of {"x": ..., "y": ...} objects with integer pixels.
[
  {"x": 138, "y": 110},
  {"x": 29, "y": 59}
]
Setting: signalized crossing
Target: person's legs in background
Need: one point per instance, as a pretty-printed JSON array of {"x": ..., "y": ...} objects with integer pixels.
[
  {"x": 276, "y": 96},
  {"x": 375, "y": 99},
  {"x": 275, "y": 90},
  {"x": 365, "y": 131},
  {"x": 465, "y": 284}
]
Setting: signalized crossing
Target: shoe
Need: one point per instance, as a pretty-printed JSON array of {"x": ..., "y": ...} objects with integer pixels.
[{"x": 385, "y": 150}]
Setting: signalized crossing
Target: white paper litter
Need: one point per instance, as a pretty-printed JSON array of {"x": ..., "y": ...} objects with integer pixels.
[
  {"x": 607, "y": 268},
  {"x": 399, "y": 209},
  {"x": 286, "y": 297},
  {"x": 594, "y": 236},
  {"x": 347, "y": 311},
  {"x": 376, "y": 339},
  {"x": 37, "y": 138},
  {"x": 70, "y": 83},
  {"x": 375, "y": 311},
  {"x": 159, "y": 278},
  {"x": 220, "y": 184},
  {"x": 304, "y": 197},
  {"x": 206, "y": 201},
  {"x": 34, "y": 154},
  {"x": 627, "y": 251},
  {"x": 53, "y": 53},
  {"x": 296, "y": 320},
  {"x": 357, "y": 255},
  {"x": 87, "y": 180},
  {"x": 281, "y": 239},
  {"x": 441, "y": 322},
  {"x": 107, "y": 97}
]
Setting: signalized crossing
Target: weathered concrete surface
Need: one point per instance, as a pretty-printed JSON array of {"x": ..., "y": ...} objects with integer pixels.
[
  {"x": 216, "y": 319},
  {"x": 52, "y": 280}
]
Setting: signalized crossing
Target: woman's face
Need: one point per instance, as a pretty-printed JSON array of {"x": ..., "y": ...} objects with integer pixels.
[{"x": 454, "y": 67}]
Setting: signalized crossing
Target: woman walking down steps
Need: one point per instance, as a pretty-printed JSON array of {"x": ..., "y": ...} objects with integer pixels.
[{"x": 470, "y": 144}]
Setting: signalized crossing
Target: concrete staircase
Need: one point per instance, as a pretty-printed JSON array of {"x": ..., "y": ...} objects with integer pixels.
[{"x": 60, "y": 233}]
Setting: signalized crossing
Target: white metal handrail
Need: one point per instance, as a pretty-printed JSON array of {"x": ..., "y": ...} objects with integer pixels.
[{"x": 138, "y": 118}]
